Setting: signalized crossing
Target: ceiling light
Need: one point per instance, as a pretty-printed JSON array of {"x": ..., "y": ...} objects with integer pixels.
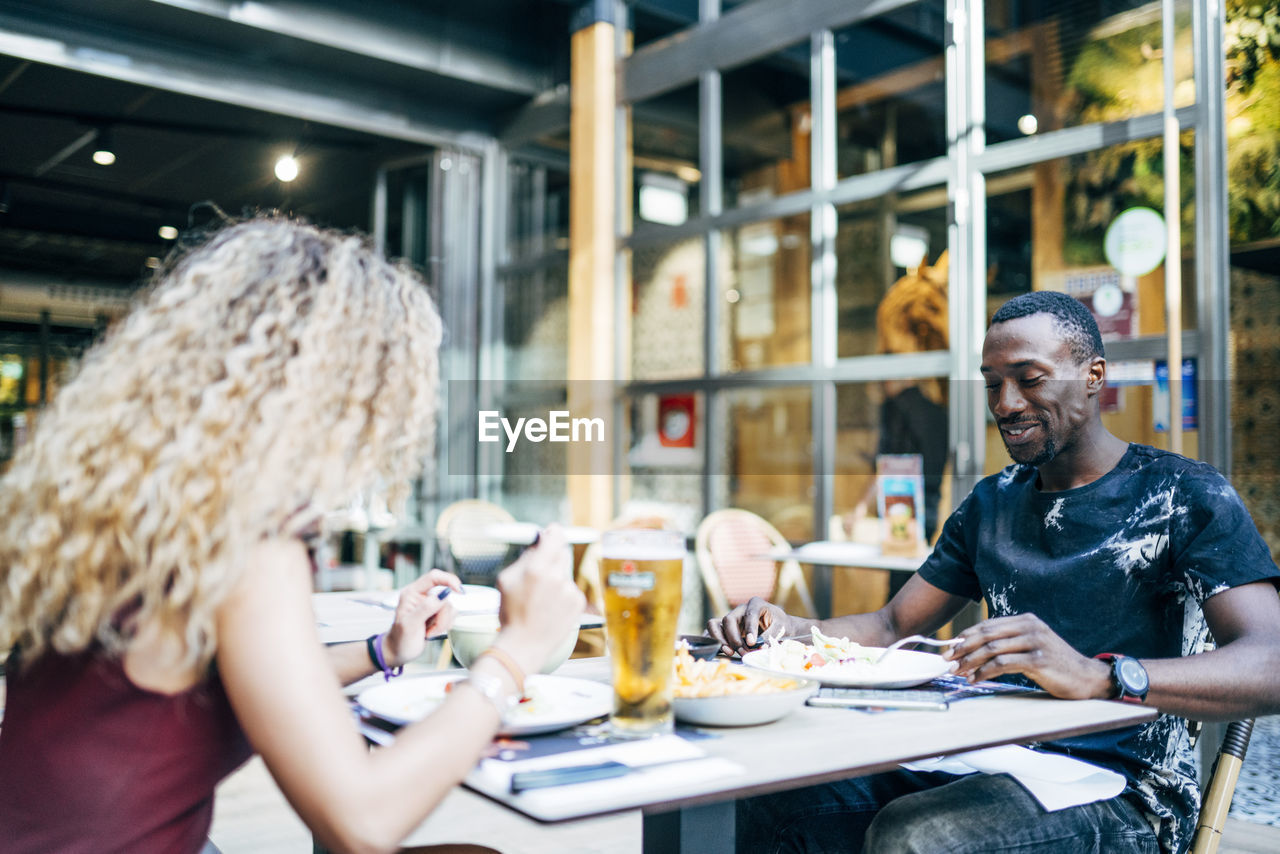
[
  {"x": 908, "y": 246},
  {"x": 151, "y": 263},
  {"x": 663, "y": 199},
  {"x": 1028, "y": 124},
  {"x": 102, "y": 153},
  {"x": 168, "y": 232},
  {"x": 287, "y": 168}
]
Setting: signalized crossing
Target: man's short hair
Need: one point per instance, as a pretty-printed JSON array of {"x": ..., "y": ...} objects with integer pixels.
[{"x": 1070, "y": 318}]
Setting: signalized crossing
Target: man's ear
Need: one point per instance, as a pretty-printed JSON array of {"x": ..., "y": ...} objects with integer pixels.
[{"x": 1096, "y": 378}]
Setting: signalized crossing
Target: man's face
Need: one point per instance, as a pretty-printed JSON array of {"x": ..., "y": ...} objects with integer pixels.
[{"x": 1037, "y": 391}]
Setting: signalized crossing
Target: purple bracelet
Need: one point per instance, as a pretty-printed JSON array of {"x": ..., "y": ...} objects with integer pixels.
[{"x": 374, "y": 643}]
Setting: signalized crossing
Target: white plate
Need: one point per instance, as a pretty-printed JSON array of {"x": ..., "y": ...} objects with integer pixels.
[
  {"x": 474, "y": 599},
  {"x": 742, "y": 709},
  {"x": 903, "y": 669},
  {"x": 558, "y": 702}
]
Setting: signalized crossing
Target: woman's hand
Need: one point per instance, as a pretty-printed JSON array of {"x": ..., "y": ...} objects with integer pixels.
[
  {"x": 419, "y": 613},
  {"x": 540, "y": 602}
]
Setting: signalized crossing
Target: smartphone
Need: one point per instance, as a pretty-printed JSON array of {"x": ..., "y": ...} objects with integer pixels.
[{"x": 880, "y": 698}]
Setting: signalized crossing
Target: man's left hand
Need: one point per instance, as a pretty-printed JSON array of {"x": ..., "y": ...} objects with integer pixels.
[{"x": 1024, "y": 644}]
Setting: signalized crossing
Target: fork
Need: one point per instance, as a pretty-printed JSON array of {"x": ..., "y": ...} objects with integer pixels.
[{"x": 915, "y": 639}]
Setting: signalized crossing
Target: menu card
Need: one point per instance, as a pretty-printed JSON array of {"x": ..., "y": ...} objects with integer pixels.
[
  {"x": 900, "y": 502},
  {"x": 662, "y": 764}
]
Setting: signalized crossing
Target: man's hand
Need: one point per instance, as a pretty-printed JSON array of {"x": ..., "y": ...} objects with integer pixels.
[
  {"x": 746, "y": 626},
  {"x": 419, "y": 613},
  {"x": 1024, "y": 644}
]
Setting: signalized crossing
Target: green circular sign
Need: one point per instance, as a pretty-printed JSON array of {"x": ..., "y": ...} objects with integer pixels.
[{"x": 1135, "y": 242}]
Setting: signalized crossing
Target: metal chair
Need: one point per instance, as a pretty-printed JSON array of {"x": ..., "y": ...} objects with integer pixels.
[
  {"x": 462, "y": 543},
  {"x": 731, "y": 548},
  {"x": 1222, "y": 785}
]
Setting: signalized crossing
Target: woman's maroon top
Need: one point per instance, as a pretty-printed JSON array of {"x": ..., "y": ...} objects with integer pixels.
[{"x": 89, "y": 762}]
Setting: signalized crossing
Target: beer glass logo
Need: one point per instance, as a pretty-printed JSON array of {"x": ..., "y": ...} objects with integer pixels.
[{"x": 629, "y": 582}]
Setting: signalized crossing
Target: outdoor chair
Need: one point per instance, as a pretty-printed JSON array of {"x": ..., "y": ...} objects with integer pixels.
[
  {"x": 463, "y": 545},
  {"x": 1222, "y": 785},
  {"x": 732, "y": 547}
]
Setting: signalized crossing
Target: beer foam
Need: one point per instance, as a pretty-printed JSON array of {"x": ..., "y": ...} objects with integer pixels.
[{"x": 630, "y": 551}]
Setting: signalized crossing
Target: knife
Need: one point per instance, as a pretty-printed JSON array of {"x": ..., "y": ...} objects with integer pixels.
[{"x": 524, "y": 780}]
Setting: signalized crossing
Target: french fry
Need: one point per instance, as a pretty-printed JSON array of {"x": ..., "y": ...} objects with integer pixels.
[{"x": 696, "y": 678}]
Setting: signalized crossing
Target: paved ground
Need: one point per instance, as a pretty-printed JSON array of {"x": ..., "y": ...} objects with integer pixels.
[{"x": 1257, "y": 797}]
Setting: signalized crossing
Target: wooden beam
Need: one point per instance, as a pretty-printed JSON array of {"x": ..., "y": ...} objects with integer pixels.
[{"x": 592, "y": 247}]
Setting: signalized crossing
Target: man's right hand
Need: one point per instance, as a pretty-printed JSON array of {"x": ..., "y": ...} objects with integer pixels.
[{"x": 749, "y": 625}]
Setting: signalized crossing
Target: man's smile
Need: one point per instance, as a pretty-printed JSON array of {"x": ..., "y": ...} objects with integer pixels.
[{"x": 1020, "y": 432}]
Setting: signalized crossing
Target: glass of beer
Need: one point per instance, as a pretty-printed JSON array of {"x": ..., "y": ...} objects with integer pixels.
[{"x": 642, "y": 572}]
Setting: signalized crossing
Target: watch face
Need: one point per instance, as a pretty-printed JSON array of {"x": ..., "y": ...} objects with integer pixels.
[{"x": 1132, "y": 676}]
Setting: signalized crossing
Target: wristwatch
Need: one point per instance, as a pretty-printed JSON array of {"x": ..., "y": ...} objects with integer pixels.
[{"x": 1129, "y": 678}]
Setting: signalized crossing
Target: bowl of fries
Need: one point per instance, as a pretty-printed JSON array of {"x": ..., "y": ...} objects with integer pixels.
[{"x": 722, "y": 693}]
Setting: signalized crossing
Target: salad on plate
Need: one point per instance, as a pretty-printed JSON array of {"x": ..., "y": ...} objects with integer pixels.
[{"x": 840, "y": 661}]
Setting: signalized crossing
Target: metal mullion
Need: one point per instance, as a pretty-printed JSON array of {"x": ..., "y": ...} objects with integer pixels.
[
  {"x": 1153, "y": 347},
  {"x": 884, "y": 366},
  {"x": 379, "y": 213},
  {"x": 896, "y": 179},
  {"x": 822, "y": 299},
  {"x": 855, "y": 189},
  {"x": 747, "y": 32},
  {"x": 534, "y": 264},
  {"x": 964, "y": 51},
  {"x": 495, "y": 208},
  {"x": 1173, "y": 226},
  {"x": 711, "y": 202},
  {"x": 918, "y": 176},
  {"x": 1056, "y": 144},
  {"x": 1213, "y": 244}
]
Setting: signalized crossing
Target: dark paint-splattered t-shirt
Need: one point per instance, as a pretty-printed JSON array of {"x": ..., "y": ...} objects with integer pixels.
[{"x": 1118, "y": 565}]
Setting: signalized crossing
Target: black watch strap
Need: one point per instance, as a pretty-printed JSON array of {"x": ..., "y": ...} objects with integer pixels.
[{"x": 1129, "y": 681}]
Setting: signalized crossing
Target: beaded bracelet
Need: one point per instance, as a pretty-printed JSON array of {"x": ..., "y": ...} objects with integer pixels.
[
  {"x": 504, "y": 658},
  {"x": 374, "y": 645}
]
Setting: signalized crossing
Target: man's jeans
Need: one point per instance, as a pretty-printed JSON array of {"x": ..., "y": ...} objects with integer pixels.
[{"x": 909, "y": 811}]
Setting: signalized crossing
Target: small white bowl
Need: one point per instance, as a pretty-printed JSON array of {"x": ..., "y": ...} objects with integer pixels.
[
  {"x": 472, "y": 634},
  {"x": 742, "y": 709}
]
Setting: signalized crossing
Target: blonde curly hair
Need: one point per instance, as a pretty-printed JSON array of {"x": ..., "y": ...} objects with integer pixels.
[{"x": 272, "y": 373}]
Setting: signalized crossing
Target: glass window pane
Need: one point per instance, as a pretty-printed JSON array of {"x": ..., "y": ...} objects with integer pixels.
[
  {"x": 1253, "y": 187},
  {"x": 766, "y": 127},
  {"x": 907, "y": 416},
  {"x": 1057, "y": 65},
  {"x": 651, "y": 22},
  {"x": 538, "y": 210},
  {"x": 668, "y": 307},
  {"x": 890, "y": 95},
  {"x": 894, "y": 245},
  {"x": 764, "y": 293},
  {"x": 767, "y": 456},
  {"x": 535, "y": 327},
  {"x": 532, "y": 486},
  {"x": 1255, "y": 388},
  {"x": 665, "y": 457},
  {"x": 664, "y": 160},
  {"x": 1047, "y": 229}
]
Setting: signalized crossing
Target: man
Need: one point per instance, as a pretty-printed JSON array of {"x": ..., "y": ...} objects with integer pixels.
[{"x": 1085, "y": 546}]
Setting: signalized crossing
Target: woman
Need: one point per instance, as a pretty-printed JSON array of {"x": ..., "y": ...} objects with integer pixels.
[{"x": 154, "y": 587}]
